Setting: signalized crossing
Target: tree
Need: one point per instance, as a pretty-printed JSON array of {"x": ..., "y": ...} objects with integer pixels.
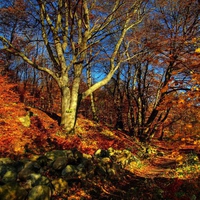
[
  {"x": 68, "y": 29},
  {"x": 89, "y": 83},
  {"x": 176, "y": 28},
  {"x": 165, "y": 65}
]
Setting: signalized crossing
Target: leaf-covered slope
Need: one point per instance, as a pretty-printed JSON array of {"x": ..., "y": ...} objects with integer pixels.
[{"x": 25, "y": 131}]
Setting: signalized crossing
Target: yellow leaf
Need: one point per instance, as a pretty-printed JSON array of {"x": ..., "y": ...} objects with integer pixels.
[
  {"x": 179, "y": 158},
  {"x": 197, "y": 50}
]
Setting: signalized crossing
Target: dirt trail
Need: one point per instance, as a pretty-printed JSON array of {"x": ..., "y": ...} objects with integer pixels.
[{"x": 169, "y": 161}]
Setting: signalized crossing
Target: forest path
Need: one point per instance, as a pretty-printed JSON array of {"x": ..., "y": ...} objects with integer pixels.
[{"x": 178, "y": 160}]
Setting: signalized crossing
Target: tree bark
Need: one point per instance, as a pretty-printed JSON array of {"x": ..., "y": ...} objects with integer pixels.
[{"x": 89, "y": 83}]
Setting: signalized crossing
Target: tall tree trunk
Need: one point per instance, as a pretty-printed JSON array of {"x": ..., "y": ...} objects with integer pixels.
[
  {"x": 71, "y": 101},
  {"x": 70, "y": 104},
  {"x": 119, "y": 103},
  {"x": 94, "y": 113},
  {"x": 89, "y": 83},
  {"x": 66, "y": 114}
]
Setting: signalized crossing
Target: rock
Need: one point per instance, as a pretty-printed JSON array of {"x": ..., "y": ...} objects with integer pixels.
[
  {"x": 101, "y": 153},
  {"x": 73, "y": 157},
  {"x": 86, "y": 156},
  {"x": 24, "y": 174},
  {"x": 73, "y": 165},
  {"x": 111, "y": 152},
  {"x": 127, "y": 153},
  {"x": 52, "y": 155},
  {"x": 122, "y": 160},
  {"x": 30, "y": 167},
  {"x": 12, "y": 191},
  {"x": 18, "y": 165},
  {"x": 25, "y": 120},
  {"x": 60, "y": 186},
  {"x": 111, "y": 172},
  {"x": 60, "y": 163},
  {"x": 101, "y": 170},
  {"x": 42, "y": 160},
  {"x": 2, "y": 170},
  {"x": 81, "y": 170},
  {"x": 106, "y": 160},
  {"x": 42, "y": 181},
  {"x": 103, "y": 165},
  {"x": 40, "y": 192},
  {"x": 27, "y": 185},
  {"x": 5, "y": 161},
  {"x": 38, "y": 179},
  {"x": 121, "y": 157},
  {"x": 10, "y": 176},
  {"x": 80, "y": 167},
  {"x": 68, "y": 170},
  {"x": 86, "y": 162},
  {"x": 98, "y": 153},
  {"x": 69, "y": 153},
  {"x": 77, "y": 155}
]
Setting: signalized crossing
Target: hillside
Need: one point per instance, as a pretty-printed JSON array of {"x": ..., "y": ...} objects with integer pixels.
[{"x": 120, "y": 167}]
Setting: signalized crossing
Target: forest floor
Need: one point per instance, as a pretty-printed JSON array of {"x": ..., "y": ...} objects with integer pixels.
[{"x": 171, "y": 167}]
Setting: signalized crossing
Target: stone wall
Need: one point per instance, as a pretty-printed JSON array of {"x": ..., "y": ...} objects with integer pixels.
[{"x": 44, "y": 177}]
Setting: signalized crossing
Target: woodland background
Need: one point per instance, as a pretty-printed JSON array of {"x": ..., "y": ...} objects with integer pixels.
[{"x": 152, "y": 99}]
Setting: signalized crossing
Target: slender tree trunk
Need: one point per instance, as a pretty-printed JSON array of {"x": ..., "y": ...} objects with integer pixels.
[
  {"x": 118, "y": 103},
  {"x": 130, "y": 114},
  {"x": 140, "y": 117},
  {"x": 94, "y": 113},
  {"x": 89, "y": 83}
]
